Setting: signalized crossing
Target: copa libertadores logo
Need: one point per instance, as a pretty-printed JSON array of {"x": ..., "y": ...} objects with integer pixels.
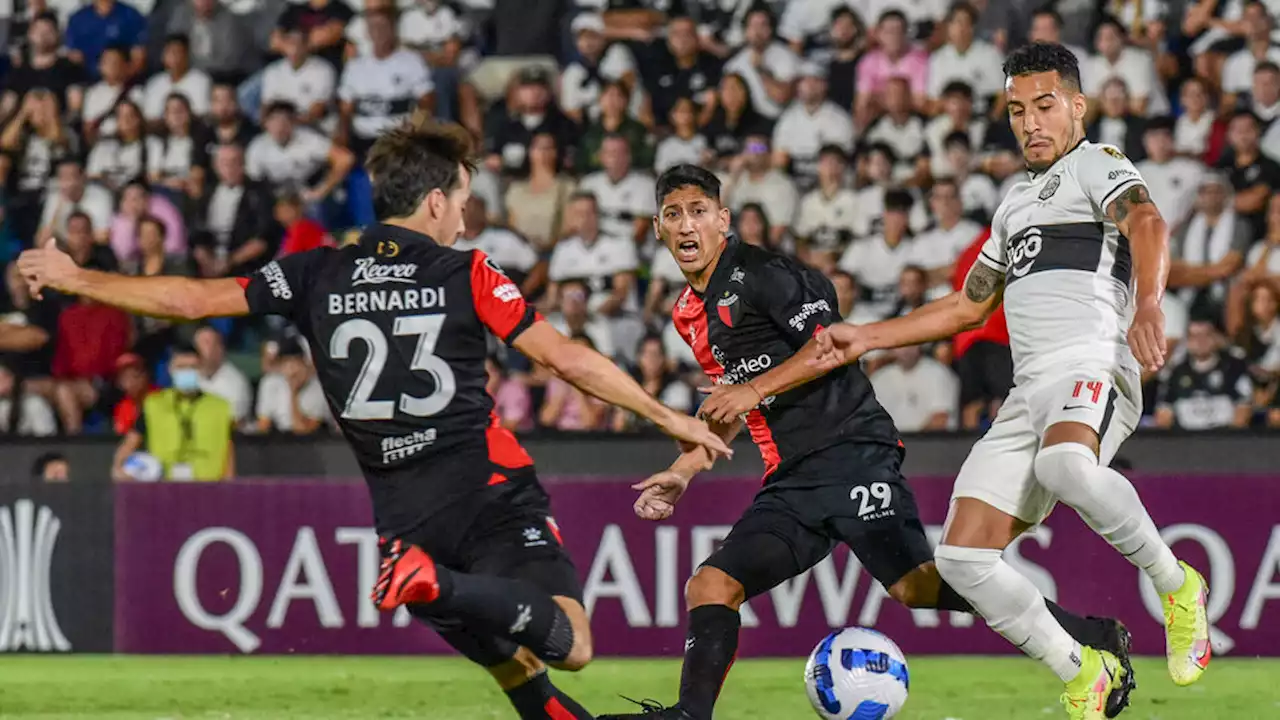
[{"x": 27, "y": 620}]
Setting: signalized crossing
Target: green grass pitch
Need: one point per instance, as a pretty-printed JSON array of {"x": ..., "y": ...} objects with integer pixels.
[{"x": 316, "y": 688}]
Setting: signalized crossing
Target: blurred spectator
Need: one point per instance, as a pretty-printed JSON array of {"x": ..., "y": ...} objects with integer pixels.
[
  {"x": 301, "y": 233},
  {"x": 220, "y": 42},
  {"x": 878, "y": 161},
  {"x": 978, "y": 194},
  {"x": 1210, "y": 249},
  {"x": 239, "y": 230},
  {"x": 218, "y": 376},
  {"x": 32, "y": 145},
  {"x": 178, "y": 77},
  {"x": 29, "y": 332},
  {"x": 956, "y": 116},
  {"x": 1172, "y": 179},
  {"x": 685, "y": 144},
  {"x": 1114, "y": 59},
  {"x": 290, "y": 157},
  {"x": 322, "y": 23},
  {"x": 753, "y": 180},
  {"x": 766, "y": 65},
  {"x": 1046, "y": 26},
  {"x": 186, "y": 430},
  {"x": 512, "y": 401},
  {"x": 1141, "y": 20},
  {"x": 89, "y": 339},
  {"x": 1263, "y": 260},
  {"x": 877, "y": 262},
  {"x": 681, "y": 69},
  {"x": 895, "y": 56},
  {"x": 656, "y": 375},
  {"x": 433, "y": 28},
  {"x": 530, "y": 112},
  {"x": 981, "y": 356},
  {"x": 614, "y": 120},
  {"x": 120, "y": 158},
  {"x": 22, "y": 412},
  {"x": 104, "y": 97},
  {"x": 135, "y": 202},
  {"x": 1209, "y": 389},
  {"x": 228, "y": 125},
  {"x": 568, "y": 408},
  {"x": 177, "y": 155},
  {"x": 624, "y": 197},
  {"x": 536, "y": 205},
  {"x": 102, "y": 23},
  {"x": 806, "y": 125},
  {"x": 903, "y": 130},
  {"x": 606, "y": 263},
  {"x": 913, "y": 284},
  {"x": 151, "y": 258},
  {"x": 751, "y": 225},
  {"x": 301, "y": 79},
  {"x": 846, "y": 38},
  {"x": 1252, "y": 175},
  {"x": 75, "y": 194},
  {"x": 44, "y": 66},
  {"x": 847, "y": 294},
  {"x": 380, "y": 90},
  {"x": 1254, "y": 324},
  {"x": 51, "y": 467},
  {"x": 918, "y": 392},
  {"x": 1116, "y": 124},
  {"x": 949, "y": 236},
  {"x": 133, "y": 384},
  {"x": 511, "y": 252},
  {"x": 526, "y": 37},
  {"x": 965, "y": 59},
  {"x": 733, "y": 120},
  {"x": 597, "y": 61},
  {"x": 824, "y": 223},
  {"x": 1199, "y": 133},
  {"x": 574, "y": 318},
  {"x": 289, "y": 398},
  {"x": 1237, "y": 71},
  {"x": 79, "y": 242}
]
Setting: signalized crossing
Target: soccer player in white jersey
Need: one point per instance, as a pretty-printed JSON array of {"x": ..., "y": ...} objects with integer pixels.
[{"x": 1067, "y": 245}]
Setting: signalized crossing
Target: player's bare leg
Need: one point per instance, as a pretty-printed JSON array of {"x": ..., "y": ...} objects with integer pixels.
[
  {"x": 1068, "y": 466},
  {"x": 970, "y": 560}
]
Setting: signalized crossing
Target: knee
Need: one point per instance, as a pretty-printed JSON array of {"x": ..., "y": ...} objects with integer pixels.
[
  {"x": 1063, "y": 466},
  {"x": 964, "y": 567},
  {"x": 712, "y": 586},
  {"x": 581, "y": 654}
]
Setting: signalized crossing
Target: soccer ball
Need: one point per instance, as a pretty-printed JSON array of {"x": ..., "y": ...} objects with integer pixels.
[
  {"x": 143, "y": 467},
  {"x": 856, "y": 674}
]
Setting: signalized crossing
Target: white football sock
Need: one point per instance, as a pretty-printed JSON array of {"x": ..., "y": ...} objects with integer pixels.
[
  {"x": 1010, "y": 604},
  {"x": 1107, "y": 501}
]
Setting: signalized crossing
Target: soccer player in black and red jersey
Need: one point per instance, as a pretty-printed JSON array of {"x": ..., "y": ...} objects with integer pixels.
[
  {"x": 398, "y": 325},
  {"x": 832, "y": 455}
]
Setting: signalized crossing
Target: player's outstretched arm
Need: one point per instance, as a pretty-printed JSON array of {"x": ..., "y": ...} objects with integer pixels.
[
  {"x": 598, "y": 376},
  {"x": 169, "y": 297},
  {"x": 1137, "y": 218}
]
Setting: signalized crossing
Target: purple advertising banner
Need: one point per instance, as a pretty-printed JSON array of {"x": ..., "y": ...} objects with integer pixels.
[{"x": 287, "y": 567}]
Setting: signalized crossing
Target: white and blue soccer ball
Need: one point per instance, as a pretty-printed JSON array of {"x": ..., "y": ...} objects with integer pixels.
[
  {"x": 143, "y": 467},
  {"x": 856, "y": 674}
]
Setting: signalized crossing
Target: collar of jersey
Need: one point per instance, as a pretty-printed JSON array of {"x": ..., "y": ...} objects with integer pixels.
[
  {"x": 730, "y": 246},
  {"x": 1037, "y": 175},
  {"x": 381, "y": 231}
]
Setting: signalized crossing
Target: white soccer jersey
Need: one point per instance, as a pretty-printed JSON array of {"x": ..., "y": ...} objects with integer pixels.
[{"x": 1067, "y": 268}]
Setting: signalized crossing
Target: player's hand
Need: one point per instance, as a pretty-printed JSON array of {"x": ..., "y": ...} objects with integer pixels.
[
  {"x": 1146, "y": 336},
  {"x": 659, "y": 495},
  {"x": 46, "y": 266},
  {"x": 838, "y": 345},
  {"x": 695, "y": 432},
  {"x": 725, "y": 403}
]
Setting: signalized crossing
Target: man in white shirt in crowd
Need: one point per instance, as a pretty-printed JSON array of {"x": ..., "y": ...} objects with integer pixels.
[
  {"x": 824, "y": 224},
  {"x": 1263, "y": 97},
  {"x": 877, "y": 261},
  {"x": 101, "y": 98},
  {"x": 1210, "y": 249},
  {"x": 1116, "y": 59},
  {"x": 848, "y": 295},
  {"x": 219, "y": 377},
  {"x": 290, "y": 399},
  {"x": 951, "y": 233},
  {"x": 752, "y": 179},
  {"x": 75, "y": 194},
  {"x": 805, "y": 19},
  {"x": 380, "y": 90},
  {"x": 597, "y": 60},
  {"x": 903, "y": 130},
  {"x": 299, "y": 78},
  {"x": 880, "y": 161},
  {"x": 919, "y": 393},
  {"x": 1172, "y": 179},
  {"x": 177, "y": 77},
  {"x": 512, "y": 253},
  {"x": 978, "y": 193},
  {"x": 807, "y": 124},
  {"x": 575, "y": 318},
  {"x": 767, "y": 65},
  {"x": 965, "y": 59},
  {"x": 624, "y": 197},
  {"x": 1237, "y": 71},
  {"x": 956, "y": 116},
  {"x": 288, "y": 156}
]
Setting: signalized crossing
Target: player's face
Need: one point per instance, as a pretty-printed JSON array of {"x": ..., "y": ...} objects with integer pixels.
[
  {"x": 692, "y": 226},
  {"x": 1046, "y": 116}
]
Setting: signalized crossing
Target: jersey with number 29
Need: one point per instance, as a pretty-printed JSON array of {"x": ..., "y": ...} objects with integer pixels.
[
  {"x": 398, "y": 326},
  {"x": 1067, "y": 268}
]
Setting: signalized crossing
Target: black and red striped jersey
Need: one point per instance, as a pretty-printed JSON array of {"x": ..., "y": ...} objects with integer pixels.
[
  {"x": 757, "y": 311},
  {"x": 398, "y": 328}
]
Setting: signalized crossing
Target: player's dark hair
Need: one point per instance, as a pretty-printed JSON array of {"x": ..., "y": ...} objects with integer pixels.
[
  {"x": 961, "y": 6},
  {"x": 893, "y": 15},
  {"x": 898, "y": 200},
  {"x": 411, "y": 160},
  {"x": 686, "y": 175},
  {"x": 1161, "y": 123},
  {"x": 1048, "y": 10},
  {"x": 958, "y": 87},
  {"x": 1042, "y": 57},
  {"x": 1266, "y": 66}
]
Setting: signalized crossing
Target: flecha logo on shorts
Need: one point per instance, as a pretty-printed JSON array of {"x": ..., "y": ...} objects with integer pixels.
[
  {"x": 369, "y": 272},
  {"x": 401, "y": 447},
  {"x": 533, "y": 537},
  {"x": 507, "y": 292},
  {"x": 27, "y": 619},
  {"x": 276, "y": 281}
]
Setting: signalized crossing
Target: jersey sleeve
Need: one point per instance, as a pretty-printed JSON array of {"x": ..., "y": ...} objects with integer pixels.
[
  {"x": 1104, "y": 173},
  {"x": 799, "y": 303},
  {"x": 280, "y": 286},
  {"x": 993, "y": 253},
  {"x": 498, "y": 302}
]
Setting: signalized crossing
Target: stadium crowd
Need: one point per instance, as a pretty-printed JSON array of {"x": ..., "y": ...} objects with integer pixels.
[{"x": 867, "y": 137}]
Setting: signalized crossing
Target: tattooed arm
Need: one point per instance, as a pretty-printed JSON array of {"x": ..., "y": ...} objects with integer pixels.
[{"x": 1139, "y": 221}]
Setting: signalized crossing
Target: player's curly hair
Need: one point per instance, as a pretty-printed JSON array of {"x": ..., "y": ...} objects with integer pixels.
[
  {"x": 410, "y": 160},
  {"x": 1040, "y": 57}
]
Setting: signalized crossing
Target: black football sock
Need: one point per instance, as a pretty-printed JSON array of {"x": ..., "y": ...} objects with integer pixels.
[
  {"x": 507, "y": 608},
  {"x": 538, "y": 699},
  {"x": 949, "y": 599},
  {"x": 1088, "y": 631},
  {"x": 709, "y": 652}
]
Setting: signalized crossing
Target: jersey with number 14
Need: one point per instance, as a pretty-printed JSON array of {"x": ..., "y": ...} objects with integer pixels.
[
  {"x": 1067, "y": 268},
  {"x": 397, "y": 326}
]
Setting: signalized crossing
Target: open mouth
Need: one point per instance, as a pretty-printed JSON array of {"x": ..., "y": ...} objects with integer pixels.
[{"x": 687, "y": 251}]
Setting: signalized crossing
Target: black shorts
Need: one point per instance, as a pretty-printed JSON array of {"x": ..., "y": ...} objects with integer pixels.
[
  {"x": 506, "y": 532},
  {"x": 852, "y": 493},
  {"x": 986, "y": 372}
]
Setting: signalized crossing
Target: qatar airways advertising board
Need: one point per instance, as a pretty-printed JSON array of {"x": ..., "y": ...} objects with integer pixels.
[{"x": 286, "y": 567}]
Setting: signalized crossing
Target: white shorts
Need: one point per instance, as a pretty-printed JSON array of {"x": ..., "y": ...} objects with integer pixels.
[{"x": 1000, "y": 470}]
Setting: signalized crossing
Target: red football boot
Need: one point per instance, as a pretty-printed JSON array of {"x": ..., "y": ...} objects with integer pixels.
[{"x": 407, "y": 577}]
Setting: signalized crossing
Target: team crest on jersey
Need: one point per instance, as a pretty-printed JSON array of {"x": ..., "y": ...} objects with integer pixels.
[
  {"x": 1113, "y": 152},
  {"x": 729, "y": 309},
  {"x": 1050, "y": 187}
]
